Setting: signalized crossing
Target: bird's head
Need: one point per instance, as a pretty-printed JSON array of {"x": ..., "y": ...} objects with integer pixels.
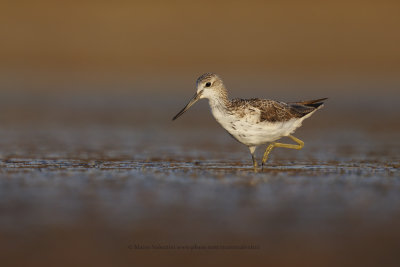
[{"x": 208, "y": 85}]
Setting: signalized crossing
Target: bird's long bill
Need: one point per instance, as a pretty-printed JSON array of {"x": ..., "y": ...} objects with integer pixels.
[{"x": 194, "y": 99}]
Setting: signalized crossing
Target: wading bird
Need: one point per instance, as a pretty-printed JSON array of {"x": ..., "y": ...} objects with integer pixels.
[{"x": 253, "y": 122}]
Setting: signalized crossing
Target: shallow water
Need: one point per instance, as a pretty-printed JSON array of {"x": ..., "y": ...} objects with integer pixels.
[{"x": 126, "y": 191}]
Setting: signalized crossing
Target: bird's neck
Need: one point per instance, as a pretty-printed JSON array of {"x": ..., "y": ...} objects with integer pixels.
[
  {"x": 219, "y": 104},
  {"x": 219, "y": 100}
]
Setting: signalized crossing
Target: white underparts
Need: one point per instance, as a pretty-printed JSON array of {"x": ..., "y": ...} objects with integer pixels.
[{"x": 248, "y": 129}]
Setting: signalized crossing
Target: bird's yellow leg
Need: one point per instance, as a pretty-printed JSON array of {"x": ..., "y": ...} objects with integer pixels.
[
  {"x": 252, "y": 150},
  {"x": 254, "y": 163},
  {"x": 300, "y": 145},
  {"x": 266, "y": 153}
]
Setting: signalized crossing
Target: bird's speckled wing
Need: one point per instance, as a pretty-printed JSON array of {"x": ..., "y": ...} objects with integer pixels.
[{"x": 270, "y": 110}]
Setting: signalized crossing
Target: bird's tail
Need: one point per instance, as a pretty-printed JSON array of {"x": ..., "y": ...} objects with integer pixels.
[{"x": 312, "y": 103}]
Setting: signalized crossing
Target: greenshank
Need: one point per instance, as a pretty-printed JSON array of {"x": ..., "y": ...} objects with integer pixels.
[{"x": 253, "y": 122}]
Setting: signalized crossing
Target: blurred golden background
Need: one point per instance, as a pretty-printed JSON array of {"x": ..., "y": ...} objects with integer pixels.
[
  {"x": 91, "y": 162},
  {"x": 55, "y": 44}
]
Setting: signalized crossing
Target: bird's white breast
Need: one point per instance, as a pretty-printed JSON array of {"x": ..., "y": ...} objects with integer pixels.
[{"x": 249, "y": 130}]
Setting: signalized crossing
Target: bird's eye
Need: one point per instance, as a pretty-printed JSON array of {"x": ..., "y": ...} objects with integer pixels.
[{"x": 208, "y": 84}]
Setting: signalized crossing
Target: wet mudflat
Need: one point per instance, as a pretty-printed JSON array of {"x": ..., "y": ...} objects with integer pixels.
[{"x": 125, "y": 191}]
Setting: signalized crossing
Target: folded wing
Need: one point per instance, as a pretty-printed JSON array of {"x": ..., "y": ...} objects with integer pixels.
[{"x": 275, "y": 111}]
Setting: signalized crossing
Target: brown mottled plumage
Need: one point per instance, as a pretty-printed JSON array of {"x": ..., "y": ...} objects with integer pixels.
[{"x": 274, "y": 111}]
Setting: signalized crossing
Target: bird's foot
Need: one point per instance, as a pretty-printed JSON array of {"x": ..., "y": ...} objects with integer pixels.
[
  {"x": 255, "y": 169},
  {"x": 255, "y": 166}
]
